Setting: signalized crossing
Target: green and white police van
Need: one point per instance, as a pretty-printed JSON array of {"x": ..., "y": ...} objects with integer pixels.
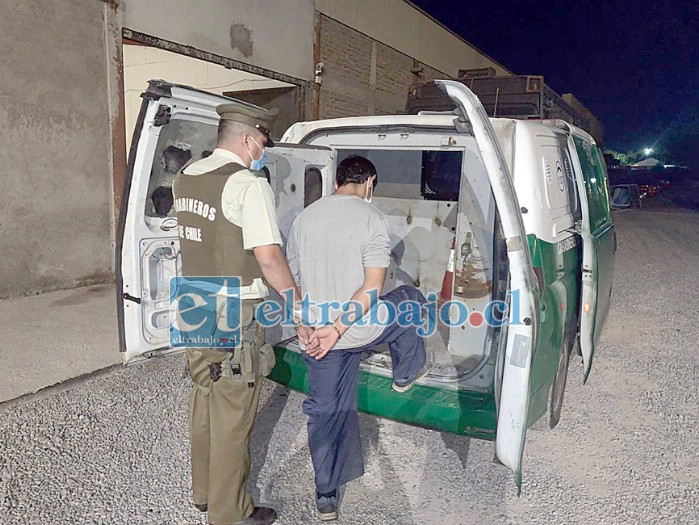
[{"x": 515, "y": 211}]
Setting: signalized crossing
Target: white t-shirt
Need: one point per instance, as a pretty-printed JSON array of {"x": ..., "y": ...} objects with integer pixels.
[{"x": 248, "y": 202}]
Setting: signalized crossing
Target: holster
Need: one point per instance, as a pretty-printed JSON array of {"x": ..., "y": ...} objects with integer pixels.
[{"x": 253, "y": 358}]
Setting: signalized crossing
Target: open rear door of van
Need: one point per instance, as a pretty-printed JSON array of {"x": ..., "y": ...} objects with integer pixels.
[
  {"x": 599, "y": 245},
  {"x": 184, "y": 122},
  {"x": 522, "y": 330}
]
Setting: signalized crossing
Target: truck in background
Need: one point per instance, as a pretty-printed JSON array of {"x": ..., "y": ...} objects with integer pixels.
[{"x": 521, "y": 97}]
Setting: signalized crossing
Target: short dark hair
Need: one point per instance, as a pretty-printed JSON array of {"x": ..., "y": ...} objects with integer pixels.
[
  {"x": 355, "y": 169},
  {"x": 230, "y": 128},
  {"x": 225, "y": 128}
]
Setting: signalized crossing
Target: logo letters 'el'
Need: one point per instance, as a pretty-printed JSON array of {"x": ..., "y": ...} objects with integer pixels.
[{"x": 198, "y": 301}]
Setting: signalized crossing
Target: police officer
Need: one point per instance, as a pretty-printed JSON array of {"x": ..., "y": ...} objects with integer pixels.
[{"x": 238, "y": 236}]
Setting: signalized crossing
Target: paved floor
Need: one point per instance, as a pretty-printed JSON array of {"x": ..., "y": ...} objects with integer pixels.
[
  {"x": 115, "y": 451},
  {"x": 56, "y": 336}
]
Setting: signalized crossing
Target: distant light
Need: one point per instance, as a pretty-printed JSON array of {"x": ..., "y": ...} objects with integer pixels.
[{"x": 648, "y": 151}]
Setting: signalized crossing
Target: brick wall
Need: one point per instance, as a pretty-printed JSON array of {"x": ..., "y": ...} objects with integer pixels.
[{"x": 362, "y": 76}]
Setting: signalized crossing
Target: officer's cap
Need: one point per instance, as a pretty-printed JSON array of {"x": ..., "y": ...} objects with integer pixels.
[{"x": 259, "y": 118}]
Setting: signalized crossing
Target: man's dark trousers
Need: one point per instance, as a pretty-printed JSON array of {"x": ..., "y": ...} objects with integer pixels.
[{"x": 333, "y": 422}]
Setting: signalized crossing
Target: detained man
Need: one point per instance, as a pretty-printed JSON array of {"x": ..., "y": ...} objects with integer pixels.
[{"x": 338, "y": 251}]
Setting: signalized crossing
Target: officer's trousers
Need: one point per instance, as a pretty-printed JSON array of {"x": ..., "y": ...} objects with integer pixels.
[
  {"x": 221, "y": 418},
  {"x": 331, "y": 407}
]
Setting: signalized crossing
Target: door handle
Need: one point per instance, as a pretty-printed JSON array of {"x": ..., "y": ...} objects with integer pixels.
[
  {"x": 129, "y": 297},
  {"x": 168, "y": 224}
]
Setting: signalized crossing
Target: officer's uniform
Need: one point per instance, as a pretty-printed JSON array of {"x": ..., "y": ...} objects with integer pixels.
[{"x": 224, "y": 398}]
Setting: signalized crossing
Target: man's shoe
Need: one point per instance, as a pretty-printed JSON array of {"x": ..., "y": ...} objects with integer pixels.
[
  {"x": 326, "y": 505},
  {"x": 201, "y": 507},
  {"x": 401, "y": 387},
  {"x": 260, "y": 516}
]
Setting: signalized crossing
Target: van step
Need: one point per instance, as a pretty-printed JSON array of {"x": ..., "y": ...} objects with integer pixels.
[{"x": 440, "y": 408}]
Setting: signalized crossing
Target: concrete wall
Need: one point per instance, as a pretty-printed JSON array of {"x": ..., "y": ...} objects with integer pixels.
[
  {"x": 142, "y": 63},
  {"x": 55, "y": 146},
  {"x": 400, "y": 25},
  {"x": 362, "y": 76},
  {"x": 273, "y": 34}
]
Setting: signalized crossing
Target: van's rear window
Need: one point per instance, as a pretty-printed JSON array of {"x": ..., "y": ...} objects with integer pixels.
[{"x": 414, "y": 174}]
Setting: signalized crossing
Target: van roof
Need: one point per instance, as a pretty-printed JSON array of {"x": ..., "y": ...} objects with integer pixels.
[{"x": 297, "y": 132}]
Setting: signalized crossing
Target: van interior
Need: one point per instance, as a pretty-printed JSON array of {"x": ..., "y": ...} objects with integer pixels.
[{"x": 437, "y": 198}]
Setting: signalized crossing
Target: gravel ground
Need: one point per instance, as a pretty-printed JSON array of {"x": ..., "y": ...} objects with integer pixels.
[{"x": 115, "y": 450}]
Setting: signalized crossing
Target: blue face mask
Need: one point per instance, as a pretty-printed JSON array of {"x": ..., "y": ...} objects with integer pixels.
[{"x": 257, "y": 164}]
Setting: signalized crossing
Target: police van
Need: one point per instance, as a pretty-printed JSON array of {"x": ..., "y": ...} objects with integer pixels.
[{"x": 481, "y": 211}]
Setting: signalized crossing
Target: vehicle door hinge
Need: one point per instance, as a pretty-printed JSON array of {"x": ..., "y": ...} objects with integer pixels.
[
  {"x": 130, "y": 297},
  {"x": 463, "y": 126},
  {"x": 162, "y": 117}
]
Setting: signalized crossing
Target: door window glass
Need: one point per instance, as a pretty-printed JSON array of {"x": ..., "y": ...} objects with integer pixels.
[
  {"x": 441, "y": 173},
  {"x": 180, "y": 141},
  {"x": 601, "y": 166},
  {"x": 595, "y": 182},
  {"x": 312, "y": 185},
  {"x": 571, "y": 186}
]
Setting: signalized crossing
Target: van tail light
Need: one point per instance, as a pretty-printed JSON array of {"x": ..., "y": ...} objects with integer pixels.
[{"x": 586, "y": 307}]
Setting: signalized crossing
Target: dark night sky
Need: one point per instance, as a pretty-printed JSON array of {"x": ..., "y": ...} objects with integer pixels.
[{"x": 633, "y": 64}]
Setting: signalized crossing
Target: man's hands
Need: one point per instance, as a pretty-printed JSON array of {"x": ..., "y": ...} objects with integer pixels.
[
  {"x": 323, "y": 340},
  {"x": 304, "y": 332},
  {"x": 318, "y": 341}
]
